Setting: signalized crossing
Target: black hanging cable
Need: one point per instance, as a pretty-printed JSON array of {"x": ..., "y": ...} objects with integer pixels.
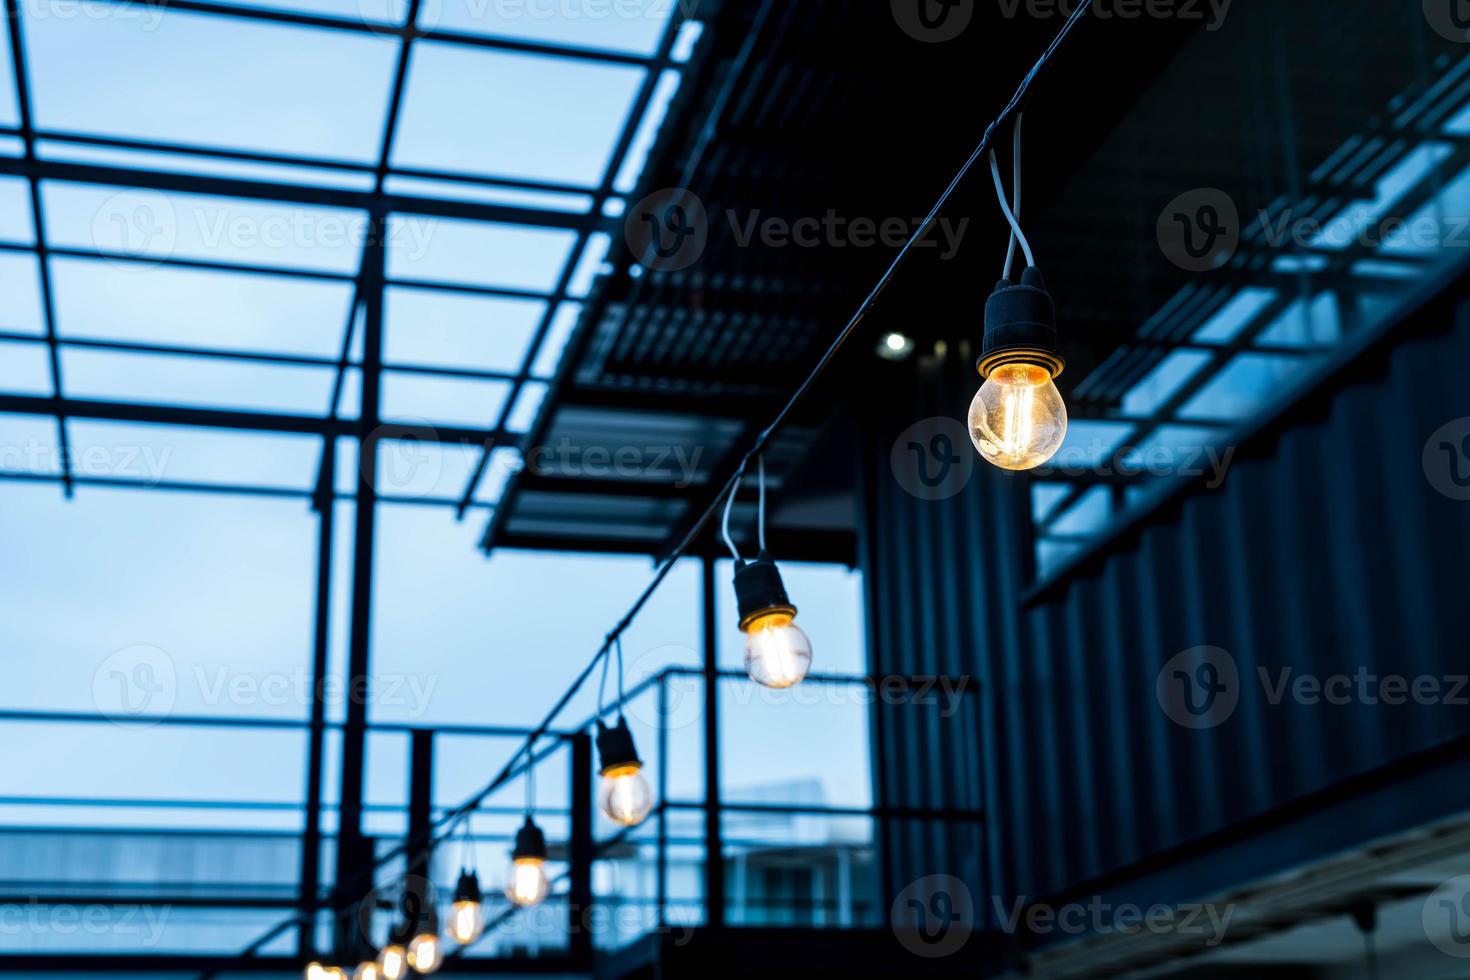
[{"x": 510, "y": 768}]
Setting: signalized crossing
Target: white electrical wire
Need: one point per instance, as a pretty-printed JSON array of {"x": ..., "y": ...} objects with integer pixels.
[
  {"x": 760, "y": 522},
  {"x": 729, "y": 504},
  {"x": 1015, "y": 192},
  {"x": 1005, "y": 207}
]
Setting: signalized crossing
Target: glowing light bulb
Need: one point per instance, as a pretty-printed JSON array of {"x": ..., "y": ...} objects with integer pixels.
[
  {"x": 625, "y": 796},
  {"x": 333, "y": 973},
  {"x": 393, "y": 962},
  {"x": 315, "y": 971},
  {"x": 527, "y": 881},
  {"x": 367, "y": 970},
  {"x": 425, "y": 952},
  {"x": 1018, "y": 420},
  {"x": 467, "y": 914},
  {"x": 777, "y": 653}
]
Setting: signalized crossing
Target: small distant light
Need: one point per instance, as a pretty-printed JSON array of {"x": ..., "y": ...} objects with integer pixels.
[{"x": 895, "y": 347}]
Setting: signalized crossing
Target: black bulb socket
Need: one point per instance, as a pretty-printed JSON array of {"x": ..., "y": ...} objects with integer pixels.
[
  {"x": 1021, "y": 327},
  {"x": 615, "y": 746},
  {"x": 468, "y": 888},
  {"x": 530, "y": 845},
  {"x": 759, "y": 590}
]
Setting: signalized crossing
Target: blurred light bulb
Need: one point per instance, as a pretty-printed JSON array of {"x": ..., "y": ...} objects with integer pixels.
[
  {"x": 1018, "y": 420},
  {"x": 393, "y": 962},
  {"x": 777, "y": 653},
  {"x": 315, "y": 971},
  {"x": 625, "y": 796},
  {"x": 334, "y": 973},
  {"x": 466, "y": 921},
  {"x": 425, "y": 952},
  {"x": 367, "y": 971},
  {"x": 527, "y": 882}
]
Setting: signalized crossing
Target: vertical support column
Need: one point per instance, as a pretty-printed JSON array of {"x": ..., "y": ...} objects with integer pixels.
[
  {"x": 714, "y": 856},
  {"x": 311, "y": 837},
  {"x": 354, "y": 852},
  {"x": 420, "y": 820},
  {"x": 661, "y": 865},
  {"x": 582, "y": 853}
]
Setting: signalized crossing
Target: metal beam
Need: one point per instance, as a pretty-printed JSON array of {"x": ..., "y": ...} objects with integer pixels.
[
  {"x": 354, "y": 851},
  {"x": 220, "y": 418},
  {"x": 262, "y": 190},
  {"x": 38, "y": 218},
  {"x": 311, "y": 838},
  {"x": 714, "y": 851}
]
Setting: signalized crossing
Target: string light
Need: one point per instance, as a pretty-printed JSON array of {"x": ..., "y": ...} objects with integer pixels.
[
  {"x": 367, "y": 970},
  {"x": 528, "y": 885},
  {"x": 624, "y": 795},
  {"x": 777, "y": 652},
  {"x": 467, "y": 912},
  {"x": 1018, "y": 419},
  {"x": 425, "y": 950},
  {"x": 616, "y": 741}
]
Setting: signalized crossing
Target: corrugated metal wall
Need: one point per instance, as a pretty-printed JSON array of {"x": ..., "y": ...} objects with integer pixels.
[{"x": 1327, "y": 551}]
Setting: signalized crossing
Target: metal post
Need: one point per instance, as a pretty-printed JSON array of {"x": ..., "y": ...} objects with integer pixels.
[
  {"x": 662, "y": 857},
  {"x": 354, "y": 852},
  {"x": 582, "y": 852},
  {"x": 420, "y": 820},
  {"x": 714, "y": 859},
  {"x": 311, "y": 837}
]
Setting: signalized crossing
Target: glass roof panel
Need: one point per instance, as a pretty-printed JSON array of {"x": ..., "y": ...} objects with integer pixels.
[
  {"x": 154, "y": 225},
  {"x": 16, "y": 223},
  {"x": 1088, "y": 515},
  {"x": 1248, "y": 383},
  {"x": 155, "y": 453},
  {"x": 1173, "y": 373},
  {"x": 634, "y": 26},
  {"x": 418, "y": 470},
  {"x": 447, "y": 401},
  {"x": 512, "y": 115},
  {"x": 25, "y": 368},
  {"x": 217, "y": 81},
  {"x": 196, "y": 381},
  {"x": 1235, "y": 315},
  {"x": 555, "y": 341},
  {"x": 1090, "y": 443},
  {"x": 1317, "y": 323},
  {"x": 441, "y": 329},
  {"x": 20, "y": 294},
  {"x": 476, "y": 253},
  {"x": 198, "y": 308},
  {"x": 462, "y": 190},
  {"x": 1045, "y": 496},
  {"x": 592, "y": 263},
  {"x": 377, "y": 11},
  {"x": 9, "y": 111},
  {"x": 528, "y": 403},
  {"x": 648, "y": 128},
  {"x": 28, "y": 445},
  {"x": 11, "y": 146}
]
